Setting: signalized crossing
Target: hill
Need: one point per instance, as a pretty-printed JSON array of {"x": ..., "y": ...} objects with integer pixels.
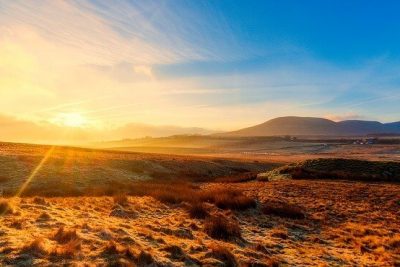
[
  {"x": 337, "y": 168},
  {"x": 55, "y": 171},
  {"x": 309, "y": 126}
]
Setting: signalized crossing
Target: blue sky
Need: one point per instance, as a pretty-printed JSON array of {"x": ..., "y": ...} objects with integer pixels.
[{"x": 214, "y": 64}]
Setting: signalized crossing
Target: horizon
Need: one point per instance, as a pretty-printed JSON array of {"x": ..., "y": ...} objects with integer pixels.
[{"x": 77, "y": 71}]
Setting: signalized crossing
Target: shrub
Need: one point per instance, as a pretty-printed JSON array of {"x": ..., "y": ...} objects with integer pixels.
[
  {"x": 121, "y": 199},
  {"x": 175, "y": 252},
  {"x": 280, "y": 233},
  {"x": 39, "y": 201},
  {"x": 198, "y": 211},
  {"x": 283, "y": 209},
  {"x": 238, "y": 202},
  {"x": 226, "y": 198},
  {"x": 63, "y": 236},
  {"x": 238, "y": 178},
  {"x": 219, "y": 227},
  {"x": 394, "y": 242},
  {"x": 5, "y": 208},
  {"x": 223, "y": 254},
  {"x": 67, "y": 250},
  {"x": 44, "y": 216},
  {"x": 145, "y": 259},
  {"x": 113, "y": 248},
  {"x": 37, "y": 248}
]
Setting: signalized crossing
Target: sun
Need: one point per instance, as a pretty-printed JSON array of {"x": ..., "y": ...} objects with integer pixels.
[{"x": 71, "y": 119}]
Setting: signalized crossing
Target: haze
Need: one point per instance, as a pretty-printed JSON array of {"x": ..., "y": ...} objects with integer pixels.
[{"x": 89, "y": 70}]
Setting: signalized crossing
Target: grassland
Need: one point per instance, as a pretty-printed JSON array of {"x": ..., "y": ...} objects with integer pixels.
[
  {"x": 68, "y": 171},
  {"x": 87, "y": 207}
]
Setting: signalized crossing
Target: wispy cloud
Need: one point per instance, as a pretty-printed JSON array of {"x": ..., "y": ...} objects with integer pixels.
[{"x": 171, "y": 62}]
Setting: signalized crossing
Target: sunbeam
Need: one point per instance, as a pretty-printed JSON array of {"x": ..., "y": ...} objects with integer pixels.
[{"x": 35, "y": 171}]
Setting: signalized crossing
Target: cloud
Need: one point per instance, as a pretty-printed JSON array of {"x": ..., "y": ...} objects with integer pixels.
[
  {"x": 145, "y": 70},
  {"x": 16, "y": 130},
  {"x": 167, "y": 63},
  {"x": 344, "y": 117}
]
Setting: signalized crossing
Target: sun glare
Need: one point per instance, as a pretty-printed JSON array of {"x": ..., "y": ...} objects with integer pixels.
[{"x": 71, "y": 119}]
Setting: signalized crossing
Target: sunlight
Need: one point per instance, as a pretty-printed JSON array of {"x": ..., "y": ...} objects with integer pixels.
[
  {"x": 70, "y": 120},
  {"x": 35, "y": 171}
]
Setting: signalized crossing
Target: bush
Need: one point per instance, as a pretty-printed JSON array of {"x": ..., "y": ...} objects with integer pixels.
[
  {"x": 226, "y": 198},
  {"x": 121, "y": 199},
  {"x": 240, "y": 202},
  {"x": 67, "y": 250},
  {"x": 63, "y": 236},
  {"x": 38, "y": 248},
  {"x": 238, "y": 178},
  {"x": 282, "y": 209},
  {"x": 219, "y": 227},
  {"x": 175, "y": 193},
  {"x": 5, "y": 208},
  {"x": 223, "y": 254},
  {"x": 198, "y": 211}
]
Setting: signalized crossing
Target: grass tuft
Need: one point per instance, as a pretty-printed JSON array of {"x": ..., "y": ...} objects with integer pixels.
[
  {"x": 63, "y": 236},
  {"x": 219, "y": 227},
  {"x": 198, "y": 211},
  {"x": 6, "y": 208},
  {"x": 224, "y": 254},
  {"x": 37, "y": 248},
  {"x": 283, "y": 209}
]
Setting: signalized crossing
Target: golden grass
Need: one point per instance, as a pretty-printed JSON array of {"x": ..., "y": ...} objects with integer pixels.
[
  {"x": 121, "y": 199},
  {"x": 63, "y": 236},
  {"x": 283, "y": 209},
  {"x": 346, "y": 225},
  {"x": 224, "y": 255},
  {"x": 198, "y": 211},
  {"x": 37, "y": 248},
  {"x": 221, "y": 228},
  {"x": 68, "y": 249},
  {"x": 6, "y": 208}
]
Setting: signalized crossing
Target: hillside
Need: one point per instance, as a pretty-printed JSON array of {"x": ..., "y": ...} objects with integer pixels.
[
  {"x": 302, "y": 126},
  {"x": 76, "y": 171},
  {"x": 339, "y": 169}
]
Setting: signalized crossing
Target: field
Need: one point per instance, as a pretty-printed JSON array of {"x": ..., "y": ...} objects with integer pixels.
[
  {"x": 273, "y": 149},
  {"x": 87, "y": 207}
]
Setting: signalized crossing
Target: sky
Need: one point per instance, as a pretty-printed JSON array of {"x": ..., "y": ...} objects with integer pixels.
[{"x": 88, "y": 69}]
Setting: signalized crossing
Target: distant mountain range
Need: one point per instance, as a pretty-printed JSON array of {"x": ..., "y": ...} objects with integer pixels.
[{"x": 316, "y": 127}]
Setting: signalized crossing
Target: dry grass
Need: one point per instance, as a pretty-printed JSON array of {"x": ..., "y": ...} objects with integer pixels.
[
  {"x": 155, "y": 223},
  {"x": 121, "y": 199},
  {"x": 44, "y": 216},
  {"x": 224, "y": 255},
  {"x": 37, "y": 248},
  {"x": 347, "y": 225},
  {"x": 39, "y": 201},
  {"x": 63, "y": 236},
  {"x": 6, "y": 208},
  {"x": 221, "y": 228},
  {"x": 339, "y": 169},
  {"x": 175, "y": 193},
  {"x": 198, "y": 211},
  {"x": 238, "y": 178},
  {"x": 279, "y": 233},
  {"x": 67, "y": 250},
  {"x": 145, "y": 259},
  {"x": 227, "y": 199},
  {"x": 283, "y": 209},
  {"x": 70, "y": 171},
  {"x": 394, "y": 242}
]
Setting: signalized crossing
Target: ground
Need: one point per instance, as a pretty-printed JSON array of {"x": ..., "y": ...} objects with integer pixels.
[
  {"x": 88, "y": 207},
  {"x": 345, "y": 224}
]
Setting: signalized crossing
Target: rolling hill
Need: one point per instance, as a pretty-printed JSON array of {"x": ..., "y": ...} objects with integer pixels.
[{"x": 310, "y": 126}]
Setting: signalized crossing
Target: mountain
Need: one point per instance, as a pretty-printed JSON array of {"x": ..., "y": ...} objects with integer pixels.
[
  {"x": 140, "y": 130},
  {"x": 316, "y": 126}
]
